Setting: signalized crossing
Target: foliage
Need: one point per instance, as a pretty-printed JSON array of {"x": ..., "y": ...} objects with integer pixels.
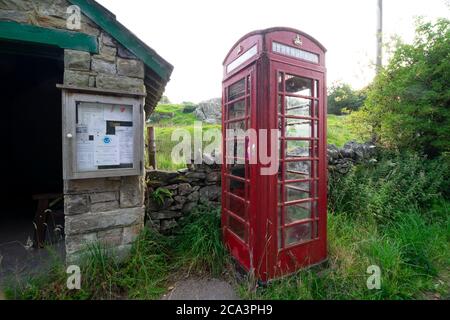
[
  {"x": 189, "y": 108},
  {"x": 338, "y": 132},
  {"x": 167, "y": 115},
  {"x": 384, "y": 190},
  {"x": 200, "y": 245},
  {"x": 160, "y": 194},
  {"x": 142, "y": 275},
  {"x": 408, "y": 105},
  {"x": 342, "y": 98},
  {"x": 413, "y": 256}
]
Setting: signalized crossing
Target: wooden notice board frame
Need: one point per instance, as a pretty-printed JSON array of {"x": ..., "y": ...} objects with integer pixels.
[{"x": 70, "y": 99}]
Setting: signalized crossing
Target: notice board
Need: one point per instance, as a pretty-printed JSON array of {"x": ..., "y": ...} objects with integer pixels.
[{"x": 104, "y": 136}]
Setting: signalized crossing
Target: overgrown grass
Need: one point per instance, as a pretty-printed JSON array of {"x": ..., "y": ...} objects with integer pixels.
[
  {"x": 164, "y": 144},
  {"x": 413, "y": 256},
  {"x": 142, "y": 275},
  {"x": 383, "y": 190},
  {"x": 200, "y": 247},
  {"x": 392, "y": 214},
  {"x": 154, "y": 261},
  {"x": 170, "y": 115}
]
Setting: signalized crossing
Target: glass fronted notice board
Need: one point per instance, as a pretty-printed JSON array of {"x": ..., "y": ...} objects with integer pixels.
[{"x": 103, "y": 135}]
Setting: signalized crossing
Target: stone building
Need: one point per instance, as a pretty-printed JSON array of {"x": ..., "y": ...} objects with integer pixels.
[{"x": 76, "y": 87}]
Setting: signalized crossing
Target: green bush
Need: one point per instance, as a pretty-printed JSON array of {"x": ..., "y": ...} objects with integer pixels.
[
  {"x": 384, "y": 189},
  {"x": 189, "y": 108},
  {"x": 408, "y": 104},
  {"x": 342, "y": 98}
]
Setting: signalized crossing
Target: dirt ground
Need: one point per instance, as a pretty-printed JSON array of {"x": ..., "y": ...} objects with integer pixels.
[{"x": 201, "y": 289}]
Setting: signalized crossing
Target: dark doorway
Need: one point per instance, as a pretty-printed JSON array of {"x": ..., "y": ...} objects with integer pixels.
[{"x": 31, "y": 156}]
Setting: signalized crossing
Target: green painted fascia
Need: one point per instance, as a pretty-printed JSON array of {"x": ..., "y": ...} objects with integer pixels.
[
  {"x": 64, "y": 39},
  {"x": 107, "y": 22}
]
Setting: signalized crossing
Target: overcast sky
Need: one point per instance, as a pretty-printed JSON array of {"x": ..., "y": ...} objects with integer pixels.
[{"x": 195, "y": 35}]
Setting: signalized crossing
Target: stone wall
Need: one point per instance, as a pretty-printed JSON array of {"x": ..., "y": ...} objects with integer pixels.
[
  {"x": 107, "y": 210},
  {"x": 341, "y": 160},
  {"x": 188, "y": 187},
  {"x": 201, "y": 183}
]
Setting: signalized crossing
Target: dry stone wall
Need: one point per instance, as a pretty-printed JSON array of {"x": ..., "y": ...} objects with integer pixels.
[
  {"x": 187, "y": 187},
  {"x": 202, "y": 183}
]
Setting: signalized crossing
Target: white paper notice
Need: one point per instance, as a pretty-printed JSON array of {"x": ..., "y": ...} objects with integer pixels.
[
  {"x": 106, "y": 151},
  {"x": 118, "y": 113},
  {"x": 125, "y": 135},
  {"x": 85, "y": 150},
  {"x": 92, "y": 117}
]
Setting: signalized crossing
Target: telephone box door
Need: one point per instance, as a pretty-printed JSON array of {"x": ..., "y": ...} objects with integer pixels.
[
  {"x": 237, "y": 173},
  {"x": 300, "y": 203}
]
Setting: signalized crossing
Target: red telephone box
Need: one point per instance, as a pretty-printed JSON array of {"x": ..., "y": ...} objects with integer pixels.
[{"x": 274, "y": 224}]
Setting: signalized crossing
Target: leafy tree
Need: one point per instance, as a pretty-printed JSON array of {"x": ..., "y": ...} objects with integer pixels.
[
  {"x": 408, "y": 104},
  {"x": 342, "y": 97}
]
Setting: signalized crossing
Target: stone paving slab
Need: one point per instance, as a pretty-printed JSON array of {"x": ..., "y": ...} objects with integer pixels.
[{"x": 202, "y": 289}]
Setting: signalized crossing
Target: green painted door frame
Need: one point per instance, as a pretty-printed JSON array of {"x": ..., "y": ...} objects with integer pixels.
[{"x": 54, "y": 37}]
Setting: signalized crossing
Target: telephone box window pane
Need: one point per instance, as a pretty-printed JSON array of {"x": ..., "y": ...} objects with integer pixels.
[
  {"x": 298, "y": 148},
  {"x": 315, "y": 209},
  {"x": 238, "y": 125},
  {"x": 316, "y": 108},
  {"x": 316, "y": 129},
  {"x": 280, "y": 104},
  {"x": 298, "y": 212},
  {"x": 297, "y": 128},
  {"x": 316, "y": 229},
  {"x": 298, "y": 170},
  {"x": 298, "y": 85},
  {"x": 297, "y": 234},
  {"x": 237, "y": 170},
  {"x": 297, "y": 191},
  {"x": 237, "y": 207},
  {"x": 237, "y": 187},
  {"x": 298, "y": 107},
  {"x": 235, "y": 150},
  {"x": 316, "y": 149},
  {"x": 316, "y": 188},
  {"x": 280, "y": 82},
  {"x": 240, "y": 149},
  {"x": 236, "y": 110},
  {"x": 236, "y": 90},
  {"x": 237, "y": 228},
  {"x": 316, "y": 88}
]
